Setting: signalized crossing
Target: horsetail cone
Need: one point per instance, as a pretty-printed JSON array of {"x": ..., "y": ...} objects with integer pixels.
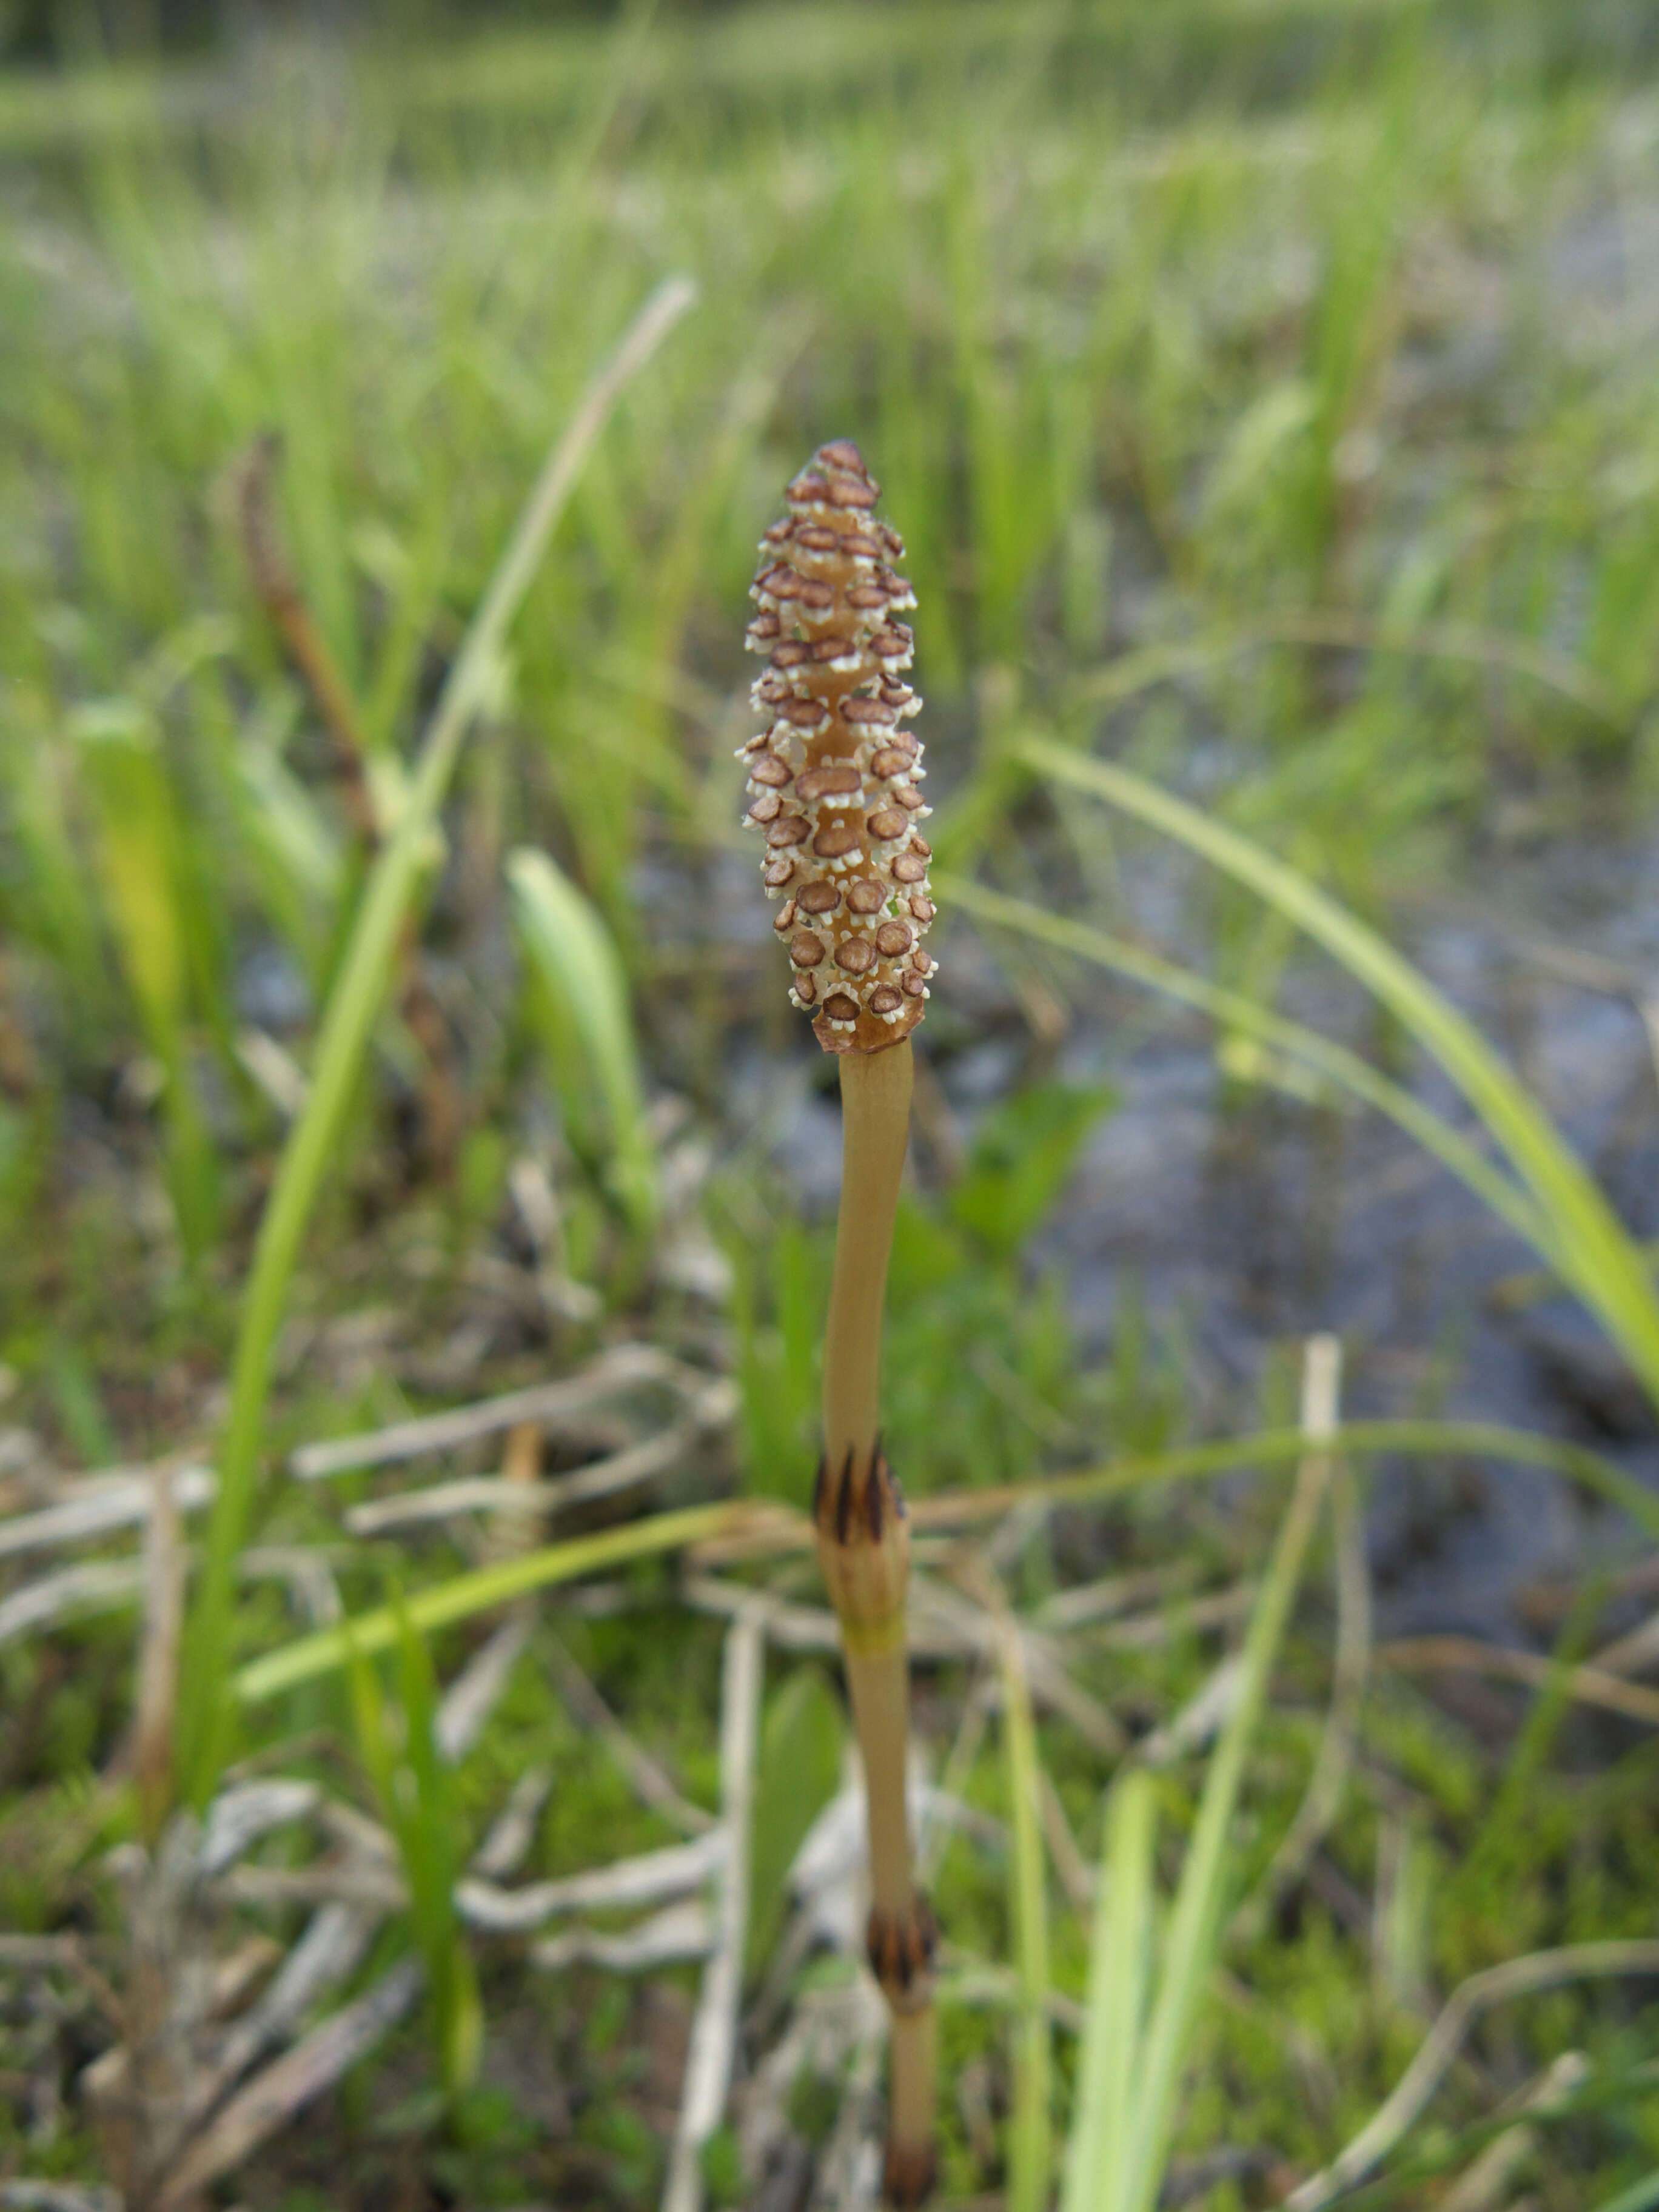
[
  {"x": 835, "y": 786},
  {"x": 835, "y": 780}
]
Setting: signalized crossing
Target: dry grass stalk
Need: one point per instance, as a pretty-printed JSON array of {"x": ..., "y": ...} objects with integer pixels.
[
  {"x": 302, "y": 2072},
  {"x": 145, "y": 2093},
  {"x": 96, "y": 1504},
  {"x": 1526, "y": 1975},
  {"x": 649, "y": 1879},
  {"x": 158, "y": 1659},
  {"x": 571, "y": 1402},
  {"x": 668, "y": 1938},
  {"x": 833, "y": 787},
  {"x": 714, "y": 2029}
]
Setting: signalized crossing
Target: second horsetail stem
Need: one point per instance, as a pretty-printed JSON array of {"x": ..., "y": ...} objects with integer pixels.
[{"x": 834, "y": 784}]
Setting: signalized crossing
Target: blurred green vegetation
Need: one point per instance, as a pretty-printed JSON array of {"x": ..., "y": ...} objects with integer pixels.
[
  {"x": 1249, "y": 385},
  {"x": 1268, "y": 325}
]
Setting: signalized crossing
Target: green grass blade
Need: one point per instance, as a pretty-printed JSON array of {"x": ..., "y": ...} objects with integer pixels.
[
  {"x": 1641, "y": 2196},
  {"x": 296, "y": 852},
  {"x": 368, "y": 1716},
  {"x": 1356, "y": 1076},
  {"x": 140, "y": 844},
  {"x": 1196, "y": 1923},
  {"x": 459, "y": 1599},
  {"x": 595, "y": 1065},
  {"x": 418, "y": 1805},
  {"x": 344, "y": 1042},
  {"x": 799, "y": 1773},
  {"x": 463, "y": 1595},
  {"x": 1030, "y": 2145},
  {"x": 1593, "y": 1471},
  {"x": 1131, "y": 674},
  {"x": 778, "y": 1288},
  {"x": 1109, "y": 2064},
  {"x": 429, "y": 1828},
  {"x": 1596, "y": 1255}
]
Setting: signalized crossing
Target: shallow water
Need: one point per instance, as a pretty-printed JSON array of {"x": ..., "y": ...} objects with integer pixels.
[{"x": 1270, "y": 1218}]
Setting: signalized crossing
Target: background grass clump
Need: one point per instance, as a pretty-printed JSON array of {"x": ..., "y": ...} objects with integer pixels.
[{"x": 1264, "y": 396}]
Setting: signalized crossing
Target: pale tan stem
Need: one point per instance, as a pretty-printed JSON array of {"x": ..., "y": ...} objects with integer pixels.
[
  {"x": 910, "y": 2106},
  {"x": 880, "y": 1687},
  {"x": 864, "y": 1544},
  {"x": 875, "y": 1098}
]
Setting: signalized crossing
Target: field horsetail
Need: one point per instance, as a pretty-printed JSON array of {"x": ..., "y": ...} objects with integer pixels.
[
  {"x": 834, "y": 788},
  {"x": 834, "y": 781}
]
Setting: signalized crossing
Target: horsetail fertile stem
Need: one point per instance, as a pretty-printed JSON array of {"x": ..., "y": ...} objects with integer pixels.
[{"x": 835, "y": 786}]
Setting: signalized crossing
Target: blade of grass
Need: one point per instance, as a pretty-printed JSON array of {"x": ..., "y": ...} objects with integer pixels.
[
  {"x": 428, "y": 1823},
  {"x": 463, "y": 1595},
  {"x": 771, "y": 1529},
  {"x": 1596, "y": 1256},
  {"x": 1356, "y": 1076},
  {"x": 343, "y": 1042},
  {"x": 1131, "y": 673},
  {"x": 1030, "y": 2146},
  {"x": 1641, "y": 2196},
  {"x": 1110, "y": 2064},
  {"x": 141, "y": 843},
  {"x": 595, "y": 1065},
  {"x": 1195, "y": 1926},
  {"x": 418, "y": 1807},
  {"x": 1602, "y": 1476}
]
